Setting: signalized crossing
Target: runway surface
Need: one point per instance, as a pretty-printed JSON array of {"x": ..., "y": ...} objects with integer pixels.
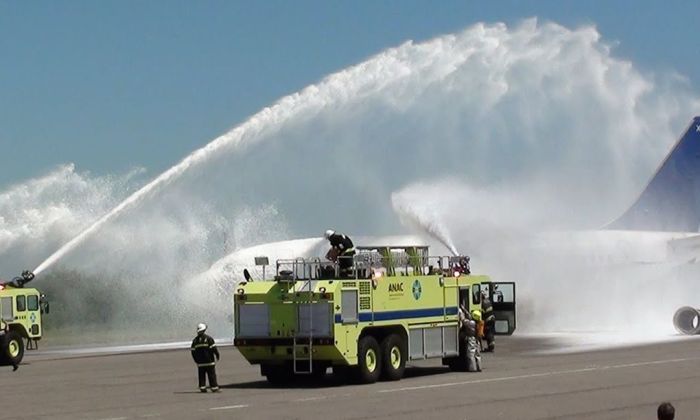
[{"x": 518, "y": 383}]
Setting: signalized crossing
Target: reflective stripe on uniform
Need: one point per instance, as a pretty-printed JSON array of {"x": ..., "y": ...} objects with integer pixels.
[
  {"x": 196, "y": 346},
  {"x": 206, "y": 364}
]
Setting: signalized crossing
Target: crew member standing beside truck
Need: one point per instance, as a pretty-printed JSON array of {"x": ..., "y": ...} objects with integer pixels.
[
  {"x": 489, "y": 323},
  {"x": 468, "y": 333},
  {"x": 203, "y": 352}
]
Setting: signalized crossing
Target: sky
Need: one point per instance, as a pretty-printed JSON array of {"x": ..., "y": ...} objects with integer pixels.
[
  {"x": 416, "y": 113},
  {"x": 116, "y": 85}
]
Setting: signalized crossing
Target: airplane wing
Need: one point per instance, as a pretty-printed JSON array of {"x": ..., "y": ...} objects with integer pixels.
[{"x": 685, "y": 249}]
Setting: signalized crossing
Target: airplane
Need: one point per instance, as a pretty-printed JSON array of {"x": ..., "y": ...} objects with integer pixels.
[
  {"x": 671, "y": 203},
  {"x": 661, "y": 228}
]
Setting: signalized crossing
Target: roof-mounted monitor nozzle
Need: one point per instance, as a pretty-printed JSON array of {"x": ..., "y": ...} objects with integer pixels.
[{"x": 23, "y": 279}]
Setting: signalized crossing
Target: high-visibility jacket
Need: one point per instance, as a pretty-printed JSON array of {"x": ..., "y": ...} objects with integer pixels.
[
  {"x": 480, "y": 329},
  {"x": 487, "y": 311},
  {"x": 204, "y": 350}
]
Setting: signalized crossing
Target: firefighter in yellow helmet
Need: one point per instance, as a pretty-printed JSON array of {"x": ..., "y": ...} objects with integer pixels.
[
  {"x": 468, "y": 334},
  {"x": 476, "y": 316}
]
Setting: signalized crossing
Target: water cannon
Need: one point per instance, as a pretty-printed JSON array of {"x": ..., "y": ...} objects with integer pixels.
[
  {"x": 460, "y": 263},
  {"x": 23, "y": 279}
]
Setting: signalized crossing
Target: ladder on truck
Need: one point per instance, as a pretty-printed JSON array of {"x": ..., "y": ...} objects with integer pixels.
[{"x": 302, "y": 345}]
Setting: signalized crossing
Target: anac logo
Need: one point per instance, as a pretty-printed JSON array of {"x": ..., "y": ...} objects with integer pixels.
[
  {"x": 395, "y": 287},
  {"x": 417, "y": 290}
]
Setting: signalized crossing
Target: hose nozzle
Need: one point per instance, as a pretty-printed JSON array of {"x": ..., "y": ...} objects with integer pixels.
[
  {"x": 24, "y": 278},
  {"x": 27, "y": 276}
]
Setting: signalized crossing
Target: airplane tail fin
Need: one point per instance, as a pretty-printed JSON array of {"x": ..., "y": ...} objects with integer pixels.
[{"x": 671, "y": 200}]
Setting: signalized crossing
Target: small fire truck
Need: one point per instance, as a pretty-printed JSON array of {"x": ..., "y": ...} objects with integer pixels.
[
  {"x": 393, "y": 305},
  {"x": 21, "y": 309}
]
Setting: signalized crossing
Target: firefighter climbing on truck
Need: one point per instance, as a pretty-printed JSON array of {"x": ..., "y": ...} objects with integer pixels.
[{"x": 342, "y": 250}]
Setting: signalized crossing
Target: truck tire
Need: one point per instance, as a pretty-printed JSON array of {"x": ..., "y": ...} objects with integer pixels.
[
  {"x": 369, "y": 360},
  {"x": 12, "y": 348},
  {"x": 394, "y": 353},
  {"x": 342, "y": 373},
  {"x": 277, "y": 374},
  {"x": 319, "y": 370}
]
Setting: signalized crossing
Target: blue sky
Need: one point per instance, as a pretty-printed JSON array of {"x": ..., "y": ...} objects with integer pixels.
[{"x": 113, "y": 85}]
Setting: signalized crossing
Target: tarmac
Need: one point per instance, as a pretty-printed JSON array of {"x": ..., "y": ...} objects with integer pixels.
[{"x": 522, "y": 380}]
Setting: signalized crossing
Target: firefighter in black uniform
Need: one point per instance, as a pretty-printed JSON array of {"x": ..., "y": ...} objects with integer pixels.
[
  {"x": 203, "y": 352},
  {"x": 489, "y": 323},
  {"x": 342, "y": 249}
]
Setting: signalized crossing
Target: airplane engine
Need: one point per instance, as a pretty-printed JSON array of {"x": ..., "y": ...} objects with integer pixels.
[{"x": 687, "y": 320}]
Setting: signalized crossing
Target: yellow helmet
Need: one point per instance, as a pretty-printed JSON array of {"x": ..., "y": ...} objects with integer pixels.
[{"x": 476, "y": 315}]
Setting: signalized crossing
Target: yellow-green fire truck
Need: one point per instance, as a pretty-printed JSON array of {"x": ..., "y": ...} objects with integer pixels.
[
  {"x": 20, "y": 318},
  {"x": 394, "y": 305}
]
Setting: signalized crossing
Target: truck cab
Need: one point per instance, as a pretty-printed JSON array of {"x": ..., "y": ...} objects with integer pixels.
[{"x": 21, "y": 310}]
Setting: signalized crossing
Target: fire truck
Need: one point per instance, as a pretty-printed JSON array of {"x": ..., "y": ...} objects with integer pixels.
[
  {"x": 21, "y": 309},
  {"x": 395, "y": 304}
]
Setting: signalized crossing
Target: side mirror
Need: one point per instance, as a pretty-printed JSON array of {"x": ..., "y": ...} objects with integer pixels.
[
  {"x": 44, "y": 304},
  {"x": 247, "y": 275}
]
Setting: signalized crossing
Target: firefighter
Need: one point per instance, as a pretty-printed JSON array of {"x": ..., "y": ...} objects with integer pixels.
[
  {"x": 476, "y": 316},
  {"x": 468, "y": 330},
  {"x": 203, "y": 352},
  {"x": 342, "y": 249},
  {"x": 489, "y": 322}
]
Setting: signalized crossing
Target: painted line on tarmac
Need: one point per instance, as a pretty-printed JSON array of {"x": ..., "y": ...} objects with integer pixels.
[
  {"x": 230, "y": 407},
  {"x": 540, "y": 375},
  {"x": 310, "y": 399}
]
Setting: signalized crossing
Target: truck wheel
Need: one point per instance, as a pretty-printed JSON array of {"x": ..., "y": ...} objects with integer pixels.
[
  {"x": 319, "y": 370},
  {"x": 342, "y": 373},
  {"x": 277, "y": 375},
  {"x": 369, "y": 360},
  {"x": 12, "y": 348},
  {"x": 393, "y": 357}
]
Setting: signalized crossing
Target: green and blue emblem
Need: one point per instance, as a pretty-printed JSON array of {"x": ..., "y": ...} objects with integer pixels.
[{"x": 417, "y": 289}]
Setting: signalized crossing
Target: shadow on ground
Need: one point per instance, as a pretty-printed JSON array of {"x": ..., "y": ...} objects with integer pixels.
[{"x": 330, "y": 380}]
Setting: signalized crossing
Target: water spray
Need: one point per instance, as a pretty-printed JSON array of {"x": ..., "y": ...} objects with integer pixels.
[{"x": 426, "y": 222}]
